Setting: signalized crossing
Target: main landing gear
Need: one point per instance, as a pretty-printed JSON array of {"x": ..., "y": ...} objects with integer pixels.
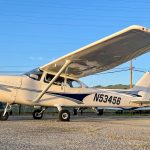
[
  {"x": 4, "y": 115},
  {"x": 64, "y": 115},
  {"x": 38, "y": 113}
]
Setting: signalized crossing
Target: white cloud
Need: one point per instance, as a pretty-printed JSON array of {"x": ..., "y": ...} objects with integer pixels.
[{"x": 36, "y": 58}]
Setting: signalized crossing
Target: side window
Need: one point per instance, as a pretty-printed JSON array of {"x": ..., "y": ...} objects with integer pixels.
[
  {"x": 73, "y": 83},
  {"x": 49, "y": 77},
  {"x": 59, "y": 81},
  {"x": 76, "y": 84}
]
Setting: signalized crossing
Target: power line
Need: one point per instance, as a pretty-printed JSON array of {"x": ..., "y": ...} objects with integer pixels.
[{"x": 122, "y": 70}]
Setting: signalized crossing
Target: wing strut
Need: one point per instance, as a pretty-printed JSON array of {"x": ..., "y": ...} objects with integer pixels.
[{"x": 52, "y": 81}]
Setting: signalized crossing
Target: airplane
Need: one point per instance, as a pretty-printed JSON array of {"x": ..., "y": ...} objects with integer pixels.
[{"x": 57, "y": 83}]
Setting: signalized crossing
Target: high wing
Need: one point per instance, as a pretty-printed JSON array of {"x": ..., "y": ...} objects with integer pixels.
[{"x": 104, "y": 54}]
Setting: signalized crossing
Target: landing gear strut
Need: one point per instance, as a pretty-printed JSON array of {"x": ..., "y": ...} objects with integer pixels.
[
  {"x": 38, "y": 113},
  {"x": 4, "y": 115}
]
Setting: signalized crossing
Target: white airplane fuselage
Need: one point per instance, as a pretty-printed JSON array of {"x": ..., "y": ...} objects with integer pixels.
[{"x": 24, "y": 89}]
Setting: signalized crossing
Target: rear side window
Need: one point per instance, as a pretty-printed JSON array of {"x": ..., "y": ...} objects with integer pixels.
[{"x": 73, "y": 83}]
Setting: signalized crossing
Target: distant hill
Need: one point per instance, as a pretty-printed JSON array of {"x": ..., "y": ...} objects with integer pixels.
[{"x": 117, "y": 86}]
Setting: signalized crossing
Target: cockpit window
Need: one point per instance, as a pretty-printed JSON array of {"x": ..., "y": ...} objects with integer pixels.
[
  {"x": 73, "y": 83},
  {"x": 49, "y": 77},
  {"x": 35, "y": 74}
]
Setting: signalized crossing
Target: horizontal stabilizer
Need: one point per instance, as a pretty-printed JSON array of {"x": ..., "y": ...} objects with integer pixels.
[
  {"x": 143, "y": 108},
  {"x": 141, "y": 101}
]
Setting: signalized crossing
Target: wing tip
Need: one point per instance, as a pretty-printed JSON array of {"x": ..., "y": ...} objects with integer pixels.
[{"x": 138, "y": 27}]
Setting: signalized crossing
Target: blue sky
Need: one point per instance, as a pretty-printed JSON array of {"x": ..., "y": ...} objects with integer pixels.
[{"x": 34, "y": 32}]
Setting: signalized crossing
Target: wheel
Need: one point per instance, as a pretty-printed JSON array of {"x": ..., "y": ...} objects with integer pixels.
[
  {"x": 100, "y": 112},
  {"x": 37, "y": 115},
  {"x": 64, "y": 115},
  {"x": 4, "y": 118}
]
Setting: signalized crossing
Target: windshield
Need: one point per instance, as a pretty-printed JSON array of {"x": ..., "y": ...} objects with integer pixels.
[{"x": 37, "y": 72}]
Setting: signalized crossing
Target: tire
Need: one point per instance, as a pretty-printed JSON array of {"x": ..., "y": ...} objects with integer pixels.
[
  {"x": 64, "y": 115},
  {"x": 75, "y": 112},
  {"x": 4, "y": 118},
  {"x": 37, "y": 115},
  {"x": 100, "y": 112}
]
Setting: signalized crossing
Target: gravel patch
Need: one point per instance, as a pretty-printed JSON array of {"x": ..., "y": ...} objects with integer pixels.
[{"x": 86, "y": 133}]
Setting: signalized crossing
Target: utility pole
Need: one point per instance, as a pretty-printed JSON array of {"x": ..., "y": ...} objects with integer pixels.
[{"x": 131, "y": 69}]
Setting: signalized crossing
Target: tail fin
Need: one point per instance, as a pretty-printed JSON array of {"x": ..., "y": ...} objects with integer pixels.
[{"x": 143, "y": 86}]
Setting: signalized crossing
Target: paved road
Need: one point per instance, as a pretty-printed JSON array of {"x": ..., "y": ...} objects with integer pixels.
[{"x": 85, "y": 133}]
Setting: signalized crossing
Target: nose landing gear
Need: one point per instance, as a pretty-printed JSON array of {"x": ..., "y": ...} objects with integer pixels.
[{"x": 4, "y": 115}]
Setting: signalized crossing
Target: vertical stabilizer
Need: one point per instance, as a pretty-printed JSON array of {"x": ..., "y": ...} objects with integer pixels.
[{"x": 143, "y": 86}]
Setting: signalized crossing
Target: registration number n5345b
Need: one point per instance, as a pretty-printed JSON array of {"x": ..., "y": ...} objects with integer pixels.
[{"x": 107, "y": 99}]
